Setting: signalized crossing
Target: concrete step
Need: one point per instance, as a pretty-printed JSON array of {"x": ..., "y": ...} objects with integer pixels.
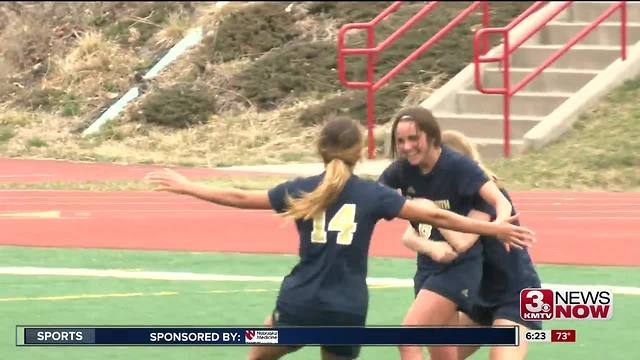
[
  {"x": 578, "y": 57},
  {"x": 493, "y": 148},
  {"x": 559, "y": 33},
  {"x": 487, "y": 126},
  {"x": 589, "y": 10},
  {"x": 523, "y": 103},
  {"x": 554, "y": 80}
]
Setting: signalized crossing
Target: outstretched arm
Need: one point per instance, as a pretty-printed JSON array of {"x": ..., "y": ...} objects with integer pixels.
[
  {"x": 492, "y": 195},
  {"x": 430, "y": 214},
  {"x": 169, "y": 180},
  {"x": 439, "y": 251},
  {"x": 461, "y": 242}
]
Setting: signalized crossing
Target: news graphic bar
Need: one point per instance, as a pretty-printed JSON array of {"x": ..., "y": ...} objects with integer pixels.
[
  {"x": 563, "y": 335},
  {"x": 550, "y": 335},
  {"x": 227, "y": 336},
  {"x": 538, "y": 336}
]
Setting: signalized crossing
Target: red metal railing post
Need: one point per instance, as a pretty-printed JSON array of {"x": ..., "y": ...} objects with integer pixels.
[
  {"x": 371, "y": 93},
  {"x": 506, "y": 100},
  {"x": 485, "y": 24},
  {"x": 623, "y": 30}
]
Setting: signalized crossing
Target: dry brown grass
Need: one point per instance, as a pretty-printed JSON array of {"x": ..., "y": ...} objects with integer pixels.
[
  {"x": 176, "y": 28},
  {"x": 217, "y": 76},
  {"x": 16, "y": 118},
  {"x": 419, "y": 92},
  {"x": 92, "y": 61},
  {"x": 249, "y": 137},
  {"x": 244, "y": 138},
  {"x": 7, "y": 69},
  {"x": 54, "y": 131},
  {"x": 317, "y": 29}
]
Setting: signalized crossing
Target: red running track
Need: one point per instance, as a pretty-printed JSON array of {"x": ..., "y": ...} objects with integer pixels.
[
  {"x": 39, "y": 171},
  {"x": 572, "y": 228}
]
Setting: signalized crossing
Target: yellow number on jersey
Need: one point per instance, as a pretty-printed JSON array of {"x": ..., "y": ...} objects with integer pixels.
[
  {"x": 343, "y": 222},
  {"x": 318, "y": 235},
  {"x": 425, "y": 230}
]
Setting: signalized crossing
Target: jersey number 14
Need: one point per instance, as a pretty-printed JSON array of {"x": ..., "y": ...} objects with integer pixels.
[{"x": 343, "y": 222}]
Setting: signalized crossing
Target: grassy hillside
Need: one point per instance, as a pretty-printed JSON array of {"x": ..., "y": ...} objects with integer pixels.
[{"x": 253, "y": 92}]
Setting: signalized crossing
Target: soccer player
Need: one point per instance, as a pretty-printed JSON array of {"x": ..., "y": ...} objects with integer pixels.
[
  {"x": 505, "y": 271},
  {"x": 426, "y": 169},
  {"x": 335, "y": 213}
]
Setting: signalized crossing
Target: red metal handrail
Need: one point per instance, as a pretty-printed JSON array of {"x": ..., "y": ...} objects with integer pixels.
[
  {"x": 372, "y": 51},
  {"x": 509, "y": 91}
]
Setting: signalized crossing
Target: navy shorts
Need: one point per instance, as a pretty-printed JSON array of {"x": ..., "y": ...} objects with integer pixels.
[
  {"x": 281, "y": 317},
  {"x": 458, "y": 282},
  {"x": 509, "y": 310}
]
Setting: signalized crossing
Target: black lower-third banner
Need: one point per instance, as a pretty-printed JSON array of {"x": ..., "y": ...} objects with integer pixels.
[{"x": 226, "y": 336}]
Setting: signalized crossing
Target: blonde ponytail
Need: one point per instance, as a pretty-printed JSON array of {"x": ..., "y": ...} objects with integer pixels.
[
  {"x": 460, "y": 143},
  {"x": 312, "y": 204},
  {"x": 340, "y": 146}
]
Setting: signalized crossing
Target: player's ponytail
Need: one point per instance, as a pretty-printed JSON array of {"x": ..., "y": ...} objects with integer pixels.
[
  {"x": 460, "y": 143},
  {"x": 340, "y": 145}
]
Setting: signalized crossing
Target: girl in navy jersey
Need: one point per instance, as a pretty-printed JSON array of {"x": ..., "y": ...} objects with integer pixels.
[
  {"x": 506, "y": 271},
  {"x": 427, "y": 169},
  {"x": 335, "y": 213}
]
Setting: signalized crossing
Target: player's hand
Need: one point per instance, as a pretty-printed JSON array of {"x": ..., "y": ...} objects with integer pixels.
[
  {"x": 168, "y": 180},
  {"x": 442, "y": 252},
  {"x": 516, "y": 236}
]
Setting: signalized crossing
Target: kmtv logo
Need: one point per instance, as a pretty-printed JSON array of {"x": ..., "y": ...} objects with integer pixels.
[{"x": 566, "y": 304}]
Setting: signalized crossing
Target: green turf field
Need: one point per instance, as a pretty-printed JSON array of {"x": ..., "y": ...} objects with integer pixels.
[{"x": 78, "y": 300}]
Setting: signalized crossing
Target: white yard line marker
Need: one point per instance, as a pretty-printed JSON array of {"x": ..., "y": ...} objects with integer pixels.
[
  {"x": 124, "y": 295},
  {"x": 85, "y": 296}
]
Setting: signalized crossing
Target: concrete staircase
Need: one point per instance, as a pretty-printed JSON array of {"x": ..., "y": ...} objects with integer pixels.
[{"x": 458, "y": 105}]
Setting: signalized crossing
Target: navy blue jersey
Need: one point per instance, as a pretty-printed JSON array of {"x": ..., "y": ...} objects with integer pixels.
[
  {"x": 452, "y": 184},
  {"x": 504, "y": 273},
  {"x": 331, "y": 274}
]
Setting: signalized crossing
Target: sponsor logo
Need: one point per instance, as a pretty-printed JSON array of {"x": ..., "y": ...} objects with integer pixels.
[{"x": 261, "y": 336}]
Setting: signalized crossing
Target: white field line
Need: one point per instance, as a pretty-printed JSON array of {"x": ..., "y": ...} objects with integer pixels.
[
  {"x": 25, "y": 175},
  {"x": 187, "y": 276},
  {"x": 124, "y": 295}
]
